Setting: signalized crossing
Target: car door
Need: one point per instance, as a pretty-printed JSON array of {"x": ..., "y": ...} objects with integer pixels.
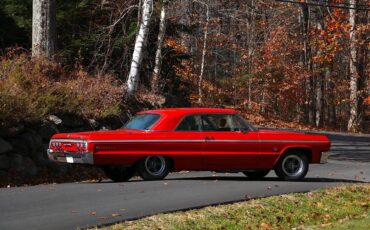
[
  {"x": 188, "y": 150},
  {"x": 229, "y": 145}
]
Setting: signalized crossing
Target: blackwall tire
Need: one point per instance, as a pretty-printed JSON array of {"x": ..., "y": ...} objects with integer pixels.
[
  {"x": 292, "y": 166},
  {"x": 118, "y": 173},
  {"x": 154, "y": 167},
  {"x": 256, "y": 174}
]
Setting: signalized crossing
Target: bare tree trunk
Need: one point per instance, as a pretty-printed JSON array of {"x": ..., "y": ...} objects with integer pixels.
[
  {"x": 354, "y": 122},
  {"x": 43, "y": 28},
  {"x": 319, "y": 78},
  {"x": 133, "y": 77},
  {"x": 204, "y": 51},
  {"x": 308, "y": 64},
  {"x": 330, "y": 98},
  {"x": 158, "y": 53}
]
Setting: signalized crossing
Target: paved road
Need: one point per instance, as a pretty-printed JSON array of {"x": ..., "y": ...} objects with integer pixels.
[{"x": 79, "y": 205}]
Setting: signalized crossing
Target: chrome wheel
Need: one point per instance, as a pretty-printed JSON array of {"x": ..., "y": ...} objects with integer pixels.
[
  {"x": 292, "y": 165},
  {"x": 155, "y": 165}
]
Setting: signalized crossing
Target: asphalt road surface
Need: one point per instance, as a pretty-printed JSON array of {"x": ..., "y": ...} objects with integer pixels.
[{"x": 87, "y": 204}]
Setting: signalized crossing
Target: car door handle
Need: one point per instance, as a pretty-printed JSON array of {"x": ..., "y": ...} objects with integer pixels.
[{"x": 209, "y": 138}]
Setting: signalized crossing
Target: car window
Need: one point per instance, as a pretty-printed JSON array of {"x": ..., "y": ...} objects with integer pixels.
[
  {"x": 142, "y": 121},
  {"x": 190, "y": 123},
  {"x": 221, "y": 123}
]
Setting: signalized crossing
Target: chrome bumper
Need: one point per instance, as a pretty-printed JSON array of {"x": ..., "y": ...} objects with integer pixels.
[
  {"x": 324, "y": 157},
  {"x": 71, "y": 157}
]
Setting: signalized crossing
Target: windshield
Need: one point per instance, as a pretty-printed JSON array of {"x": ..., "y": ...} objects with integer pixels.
[{"x": 142, "y": 121}]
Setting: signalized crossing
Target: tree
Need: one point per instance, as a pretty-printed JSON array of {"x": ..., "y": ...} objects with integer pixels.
[
  {"x": 158, "y": 53},
  {"x": 354, "y": 121},
  {"x": 43, "y": 28},
  {"x": 133, "y": 77},
  {"x": 204, "y": 51}
]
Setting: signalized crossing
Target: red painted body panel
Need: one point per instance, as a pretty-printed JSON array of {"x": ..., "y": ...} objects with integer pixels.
[{"x": 189, "y": 150}]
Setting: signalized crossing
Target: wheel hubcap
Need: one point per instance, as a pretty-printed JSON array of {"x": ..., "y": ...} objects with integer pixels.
[
  {"x": 293, "y": 165},
  {"x": 155, "y": 165}
]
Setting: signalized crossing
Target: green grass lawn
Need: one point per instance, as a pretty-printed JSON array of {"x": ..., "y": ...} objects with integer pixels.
[
  {"x": 362, "y": 223},
  {"x": 334, "y": 208}
]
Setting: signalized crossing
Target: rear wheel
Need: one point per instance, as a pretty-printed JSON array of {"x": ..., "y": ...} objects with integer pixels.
[
  {"x": 153, "y": 167},
  {"x": 256, "y": 174},
  {"x": 292, "y": 166},
  {"x": 118, "y": 173}
]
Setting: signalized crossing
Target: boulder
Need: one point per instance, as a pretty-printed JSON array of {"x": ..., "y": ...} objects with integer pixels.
[
  {"x": 5, "y": 146},
  {"x": 11, "y": 131},
  {"x": 72, "y": 121},
  {"x": 29, "y": 168},
  {"x": 24, "y": 166},
  {"x": 16, "y": 162},
  {"x": 33, "y": 140},
  {"x": 54, "y": 119},
  {"x": 4, "y": 162},
  {"x": 3, "y": 174},
  {"x": 47, "y": 130},
  {"x": 20, "y": 146}
]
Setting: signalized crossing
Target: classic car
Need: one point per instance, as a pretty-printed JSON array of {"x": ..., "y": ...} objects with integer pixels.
[{"x": 155, "y": 142}]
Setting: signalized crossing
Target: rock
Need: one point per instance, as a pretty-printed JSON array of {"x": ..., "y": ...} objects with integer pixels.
[
  {"x": 94, "y": 124},
  {"x": 24, "y": 166},
  {"x": 11, "y": 131},
  {"x": 72, "y": 121},
  {"x": 33, "y": 140},
  {"x": 29, "y": 167},
  {"x": 3, "y": 174},
  {"x": 4, "y": 162},
  {"x": 5, "y": 146},
  {"x": 16, "y": 162},
  {"x": 47, "y": 130},
  {"x": 54, "y": 119},
  {"x": 20, "y": 146}
]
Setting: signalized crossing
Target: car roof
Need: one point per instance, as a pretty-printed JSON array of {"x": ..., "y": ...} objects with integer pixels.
[
  {"x": 171, "y": 117},
  {"x": 184, "y": 111}
]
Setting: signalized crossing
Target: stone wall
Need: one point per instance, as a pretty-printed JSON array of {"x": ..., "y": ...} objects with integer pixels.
[{"x": 23, "y": 157}]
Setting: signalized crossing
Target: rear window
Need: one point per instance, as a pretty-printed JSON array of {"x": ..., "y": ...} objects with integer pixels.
[{"x": 142, "y": 121}]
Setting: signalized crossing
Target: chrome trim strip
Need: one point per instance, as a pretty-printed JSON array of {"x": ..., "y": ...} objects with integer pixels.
[
  {"x": 203, "y": 140},
  {"x": 144, "y": 141},
  {"x": 68, "y": 140}
]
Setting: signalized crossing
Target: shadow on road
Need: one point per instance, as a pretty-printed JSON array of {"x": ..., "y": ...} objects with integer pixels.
[{"x": 242, "y": 178}]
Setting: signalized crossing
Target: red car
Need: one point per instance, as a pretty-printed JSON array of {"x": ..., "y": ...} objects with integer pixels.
[{"x": 155, "y": 142}]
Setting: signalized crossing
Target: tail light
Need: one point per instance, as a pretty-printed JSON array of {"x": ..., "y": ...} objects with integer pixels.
[
  {"x": 81, "y": 146},
  {"x": 67, "y": 145},
  {"x": 55, "y": 146}
]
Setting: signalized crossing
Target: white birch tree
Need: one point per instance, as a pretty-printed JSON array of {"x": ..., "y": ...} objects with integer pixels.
[
  {"x": 133, "y": 77},
  {"x": 158, "y": 53},
  {"x": 354, "y": 118},
  {"x": 43, "y": 28}
]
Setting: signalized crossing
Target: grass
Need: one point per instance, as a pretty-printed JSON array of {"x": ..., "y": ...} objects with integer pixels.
[
  {"x": 320, "y": 208},
  {"x": 357, "y": 223}
]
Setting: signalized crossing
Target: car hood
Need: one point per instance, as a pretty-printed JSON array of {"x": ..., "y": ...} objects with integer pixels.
[{"x": 277, "y": 134}]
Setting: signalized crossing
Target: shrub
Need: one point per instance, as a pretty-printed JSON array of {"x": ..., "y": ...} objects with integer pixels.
[{"x": 31, "y": 89}]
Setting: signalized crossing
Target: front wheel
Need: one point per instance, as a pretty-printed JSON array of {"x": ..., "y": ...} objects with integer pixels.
[
  {"x": 256, "y": 174},
  {"x": 153, "y": 167},
  {"x": 118, "y": 173},
  {"x": 292, "y": 166}
]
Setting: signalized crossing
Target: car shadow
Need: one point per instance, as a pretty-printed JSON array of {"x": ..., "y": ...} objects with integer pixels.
[{"x": 243, "y": 178}]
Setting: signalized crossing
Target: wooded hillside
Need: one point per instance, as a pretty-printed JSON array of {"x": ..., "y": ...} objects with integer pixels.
[{"x": 305, "y": 61}]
